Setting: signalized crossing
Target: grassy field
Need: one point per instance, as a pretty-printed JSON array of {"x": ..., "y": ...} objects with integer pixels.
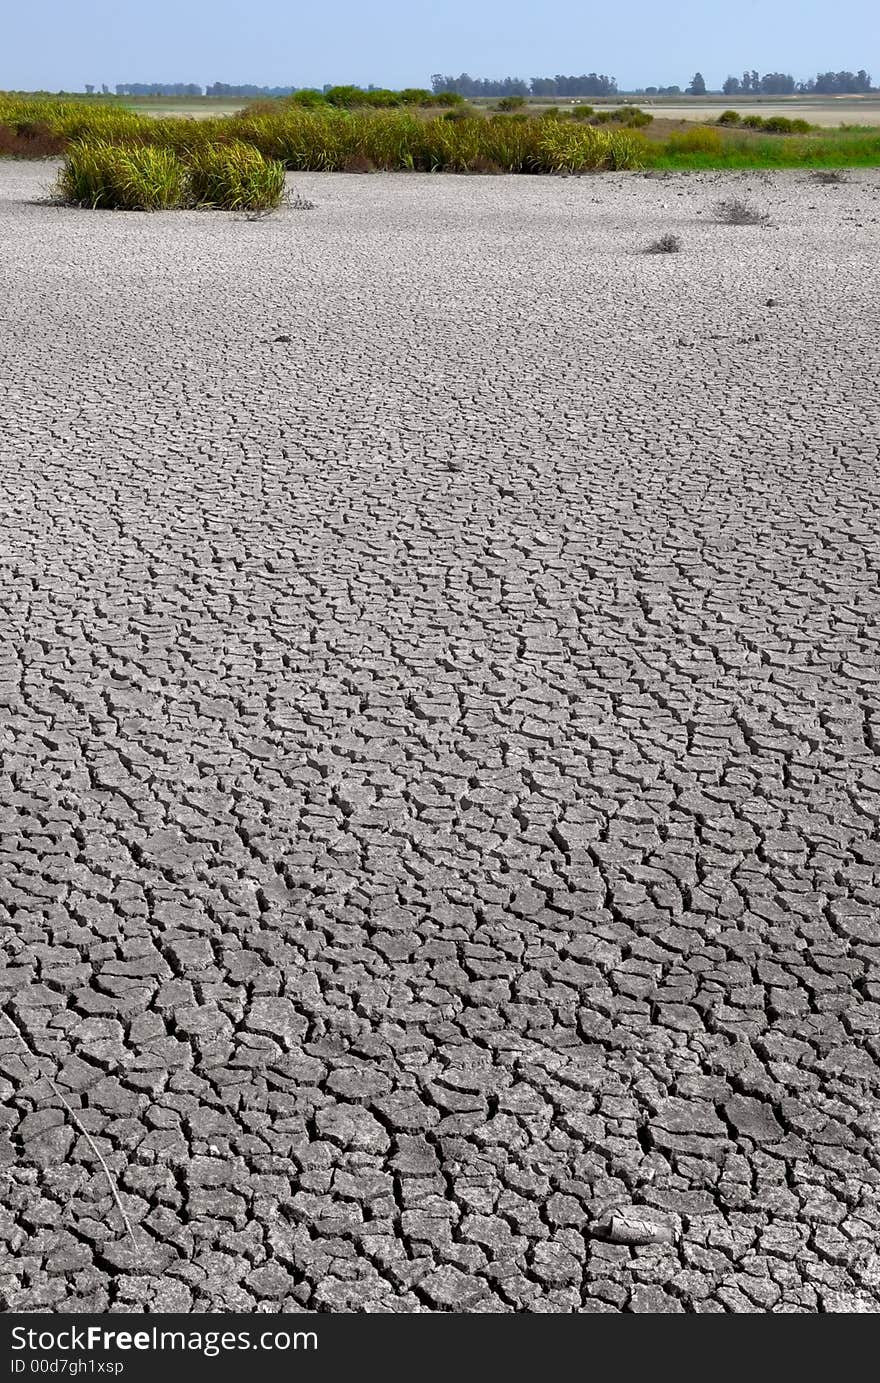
[{"x": 468, "y": 139}]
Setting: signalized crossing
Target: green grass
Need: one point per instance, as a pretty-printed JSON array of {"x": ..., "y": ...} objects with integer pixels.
[
  {"x": 327, "y": 138},
  {"x": 107, "y": 176},
  {"x": 147, "y": 177},
  {"x": 826, "y": 150},
  {"x": 340, "y": 141},
  {"x": 235, "y": 177}
]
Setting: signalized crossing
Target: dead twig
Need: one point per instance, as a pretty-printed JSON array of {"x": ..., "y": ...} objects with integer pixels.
[{"x": 78, "y": 1124}]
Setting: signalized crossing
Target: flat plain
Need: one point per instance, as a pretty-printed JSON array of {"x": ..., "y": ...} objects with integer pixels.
[
  {"x": 828, "y": 113},
  {"x": 440, "y": 720}
]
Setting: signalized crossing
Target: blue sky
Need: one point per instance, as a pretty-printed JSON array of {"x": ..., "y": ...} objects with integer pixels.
[{"x": 66, "y": 43}]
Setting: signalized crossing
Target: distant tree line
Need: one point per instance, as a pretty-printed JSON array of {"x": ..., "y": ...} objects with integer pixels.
[
  {"x": 588, "y": 84},
  {"x": 338, "y": 95},
  {"x": 158, "y": 89},
  {"x": 597, "y": 84},
  {"x": 783, "y": 84},
  {"x": 246, "y": 89},
  {"x": 194, "y": 89}
]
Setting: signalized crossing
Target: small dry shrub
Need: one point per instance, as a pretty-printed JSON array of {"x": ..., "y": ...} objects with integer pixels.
[
  {"x": 736, "y": 212},
  {"x": 297, "y": 202},
  {"x": 30, "y": 139},
  {"x": 358, "y": 163},
  {"x": 828, "y": 177},
  {"x": 667, "y": 244}
]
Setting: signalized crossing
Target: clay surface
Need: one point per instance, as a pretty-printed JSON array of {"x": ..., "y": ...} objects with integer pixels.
[{"x": 439, "y": 717}]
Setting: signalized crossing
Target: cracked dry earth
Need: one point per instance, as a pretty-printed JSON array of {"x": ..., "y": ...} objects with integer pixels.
[{"x": 440, "y": 859}]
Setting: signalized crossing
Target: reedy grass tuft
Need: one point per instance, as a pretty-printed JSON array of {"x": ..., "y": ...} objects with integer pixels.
[
  {"x": 235, "y": 177},
  {"x": 102, "y": 175},
  {"x": 143, "y": 177},
  {"x": 330, "y": 138}
]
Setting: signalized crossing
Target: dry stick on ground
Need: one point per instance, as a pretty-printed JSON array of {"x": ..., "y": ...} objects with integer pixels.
[{"x": 83, "y": 1130}]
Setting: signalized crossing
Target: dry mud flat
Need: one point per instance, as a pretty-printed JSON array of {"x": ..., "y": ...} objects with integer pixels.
[
  {"x": 831, "y": 113},
  {"x": 440, "y": 749}
]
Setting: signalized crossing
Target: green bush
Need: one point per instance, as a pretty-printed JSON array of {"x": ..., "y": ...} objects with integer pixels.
[
  {"x": 350, "y": 97},
  {"x": 728, "y": 117},
  {"x": 582, "y": 112},
  {"x": 235, "y": 177},
  {"x": 753, "y": 122},
  {"x": 307, "y": 98},
  {"x": 511, "y": 102},
  {"x": 344, "y": 96},
  {"x": 131, "y": 178},
  {"x": 633, "y": 118},
  {"x": 380, "y": 98}
]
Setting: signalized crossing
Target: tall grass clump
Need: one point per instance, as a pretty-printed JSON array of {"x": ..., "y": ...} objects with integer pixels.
[
  {"x": 572, "y": 148},
  {"x": 323, "y": 137},
  {"x": 101, "y": 175},
  {"x": 353, "y": 140},
  {"x": 184, "y": 136},
  {"x": 702, "y": 140},
  {"x": 235, "y": 177}
]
